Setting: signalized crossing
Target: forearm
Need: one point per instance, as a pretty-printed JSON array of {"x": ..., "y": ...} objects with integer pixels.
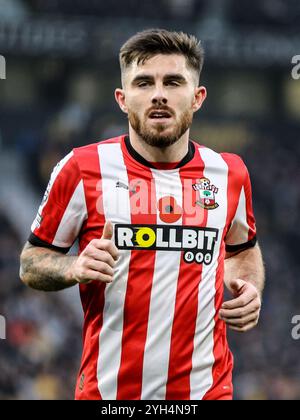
[
  {"x": 247, "y": 265},
  {"x": 45, "y": 269}
]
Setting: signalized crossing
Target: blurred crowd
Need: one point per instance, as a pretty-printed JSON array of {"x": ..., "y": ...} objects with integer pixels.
[
  {"x": 267, "y": 359},
  {"x": 264, "y": 12},
  {"x": 50, "y": 105},
  {"x": 41, "y": 353}
]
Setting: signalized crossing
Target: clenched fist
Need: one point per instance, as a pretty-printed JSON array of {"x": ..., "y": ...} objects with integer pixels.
[
  {"x": 241, "y": 313},
  {"x": 97, "y": 260}
]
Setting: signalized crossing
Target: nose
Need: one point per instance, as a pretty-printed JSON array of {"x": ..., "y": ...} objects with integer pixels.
[{"x": 159, "y": 96}]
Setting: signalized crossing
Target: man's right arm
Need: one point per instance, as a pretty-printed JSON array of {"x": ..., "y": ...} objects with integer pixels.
[
  {"x": 45, "y": 269},
  {"x": 49, "y": 270}
]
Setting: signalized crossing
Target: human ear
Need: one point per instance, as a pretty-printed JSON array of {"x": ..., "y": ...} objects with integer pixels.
[
  {"x": 120, "y": 98},
  {"x": 199, "y": 97}
]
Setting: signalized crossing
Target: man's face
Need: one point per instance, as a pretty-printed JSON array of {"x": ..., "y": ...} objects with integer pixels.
[{"x": 160, "y": 98}]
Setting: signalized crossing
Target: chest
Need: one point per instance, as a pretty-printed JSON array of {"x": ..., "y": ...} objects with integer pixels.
[{"x": 172, "y": 197}]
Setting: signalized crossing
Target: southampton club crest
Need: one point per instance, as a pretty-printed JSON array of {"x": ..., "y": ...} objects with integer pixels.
[{"x": 207, "y": 194}]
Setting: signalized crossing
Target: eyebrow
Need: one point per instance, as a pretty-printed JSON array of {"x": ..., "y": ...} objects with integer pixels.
[{"x": 171, "y": 76}]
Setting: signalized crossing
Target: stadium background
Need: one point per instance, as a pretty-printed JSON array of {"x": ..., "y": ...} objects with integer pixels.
[{"x": 62, "y": 69}]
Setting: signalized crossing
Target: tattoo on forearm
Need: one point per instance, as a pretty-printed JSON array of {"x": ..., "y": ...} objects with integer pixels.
[{"x": 45, "y": 270}]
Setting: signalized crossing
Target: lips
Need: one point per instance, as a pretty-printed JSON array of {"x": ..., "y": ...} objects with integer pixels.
[{"x": 157, "y": 114}]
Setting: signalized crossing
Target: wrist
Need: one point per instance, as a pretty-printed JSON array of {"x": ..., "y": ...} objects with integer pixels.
[{"x": 70, "y": 276}]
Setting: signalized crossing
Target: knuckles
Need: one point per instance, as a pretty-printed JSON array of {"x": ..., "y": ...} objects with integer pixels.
[
  {"x": 247, "y": 327},
  {"x": 101, "y": 245},
  {"x": 99, "y": 254},
  {"x": 96, "y": 254},
  {"x": 243, "y": 302},
  {"x": 241, "y": 313}
]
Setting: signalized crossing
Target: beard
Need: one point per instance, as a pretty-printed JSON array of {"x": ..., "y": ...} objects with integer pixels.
[{"x": 155, "y": 137}]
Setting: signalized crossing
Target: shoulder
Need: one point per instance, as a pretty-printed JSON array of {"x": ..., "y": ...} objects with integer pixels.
[
  {"x": 93, "y": 147},
  {"x": 232, "y": 160},
  {"x": 232, "y": 163},
  {"x": 87, "y": 157}
]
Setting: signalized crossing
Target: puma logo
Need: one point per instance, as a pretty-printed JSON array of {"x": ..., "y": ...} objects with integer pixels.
[{"x": 121, "y": 184}]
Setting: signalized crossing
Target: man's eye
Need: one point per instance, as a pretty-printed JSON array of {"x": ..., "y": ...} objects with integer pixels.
[
  {"x": 172, "y": 83},
  {"x": 143, "y": 84}
]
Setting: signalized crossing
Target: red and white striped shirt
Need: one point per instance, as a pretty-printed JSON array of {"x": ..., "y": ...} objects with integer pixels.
[{"x": 154, "y": 332}]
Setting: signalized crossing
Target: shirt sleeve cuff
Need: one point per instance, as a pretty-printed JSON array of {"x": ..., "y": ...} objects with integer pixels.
[
  {"x": 241, "y": 247},
  {"x": 36, "y": 241}
]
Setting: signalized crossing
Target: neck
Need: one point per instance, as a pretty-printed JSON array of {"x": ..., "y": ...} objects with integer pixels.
[{"x": 174, "y": 153}]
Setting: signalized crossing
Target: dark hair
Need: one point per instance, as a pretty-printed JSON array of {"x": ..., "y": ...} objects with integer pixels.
[{"x": 145, "y": 45}]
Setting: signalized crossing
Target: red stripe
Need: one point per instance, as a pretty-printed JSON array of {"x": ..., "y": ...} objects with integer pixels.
[
  {"x": 242, "y": 179},
  {"x": 92, "y": 295},
  {"x": 236, "y": 177},
  {"x": 222, "y": 369},
  {"x": 223, "y": 365},
  {"x": 60, "y": 195},
  {"x": 138, "y": 293},
  {"x": 249, "y": 208},
  {"x": 186, "y": 306}
]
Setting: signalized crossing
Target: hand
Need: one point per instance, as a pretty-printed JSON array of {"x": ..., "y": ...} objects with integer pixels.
[
  {"x": 97, "y": 260},
  {"x": 242, "y": 313}
]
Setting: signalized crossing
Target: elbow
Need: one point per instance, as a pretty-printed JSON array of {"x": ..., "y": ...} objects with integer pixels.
[
  {"x": 24, "y": 273},
  {"x": 22, "y": 276}
]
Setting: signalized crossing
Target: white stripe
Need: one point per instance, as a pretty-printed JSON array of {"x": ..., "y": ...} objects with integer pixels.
[
  {"x": 110, "y": 339},
  {"x": 201, "y": 378},
  {"x": 56, "y": 171},
  {"x": 72, "y": 220},
  {"x": 239, "y": 230},
  {"x": 163, "y": 297}
]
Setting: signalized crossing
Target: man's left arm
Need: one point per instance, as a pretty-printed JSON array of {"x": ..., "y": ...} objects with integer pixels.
[{"x": 245, "y": 278}]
